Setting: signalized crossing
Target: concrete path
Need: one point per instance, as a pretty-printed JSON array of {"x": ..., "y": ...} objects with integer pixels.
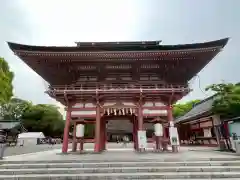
[{"x": 16, "y": 150}]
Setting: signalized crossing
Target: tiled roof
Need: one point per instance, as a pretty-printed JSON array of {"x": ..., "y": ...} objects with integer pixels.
[
  {"x": 200, "y": 108},
  {"x": 117, "y": 46}
]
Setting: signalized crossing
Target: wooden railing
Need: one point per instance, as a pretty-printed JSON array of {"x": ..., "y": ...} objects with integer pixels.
[{"x": 120, "y": 86}]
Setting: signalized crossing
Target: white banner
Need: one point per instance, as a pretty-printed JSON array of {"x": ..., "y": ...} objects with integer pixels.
[{"x": 142, "y": 139}]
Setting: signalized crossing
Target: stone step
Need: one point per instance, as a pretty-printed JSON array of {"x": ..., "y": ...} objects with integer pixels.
[
  {"x": 147, "y": 169},
  {"x": 124, "y": 160},
  {"x": 114, "y": 176},
  {"x": 117, "y": 164}
]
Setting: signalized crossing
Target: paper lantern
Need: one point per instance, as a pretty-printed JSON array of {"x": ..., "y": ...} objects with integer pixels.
[{"x": 80, "y": 130}]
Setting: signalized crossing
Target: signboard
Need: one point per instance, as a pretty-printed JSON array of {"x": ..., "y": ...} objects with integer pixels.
[
  {"x": 174, "y": 140},
  {"x": 142, "y": 139}
]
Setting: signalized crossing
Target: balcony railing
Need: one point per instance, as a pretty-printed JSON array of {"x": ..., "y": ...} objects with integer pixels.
[{"x": 119, "y": 86}]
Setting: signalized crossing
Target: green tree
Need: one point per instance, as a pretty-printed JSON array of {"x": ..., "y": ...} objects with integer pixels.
[
  {"x": 44, "y": 118},
  {"x": 14, "y": 109},
  {"x": 181, "y": 109},
  {"x": 227, "y": 103},
  {"x": 6, "y": 78}
]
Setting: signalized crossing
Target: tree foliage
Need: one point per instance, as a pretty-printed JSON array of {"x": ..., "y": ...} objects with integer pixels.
[
  {"x": 44, "y": 118},
  {"x": 181, "y": 109},
  {"x": 227, "y": 103},
  {"x": 6, "y": 78},
  {"x": 14, "y": 109},
  {"x": 34, "y": 118}
]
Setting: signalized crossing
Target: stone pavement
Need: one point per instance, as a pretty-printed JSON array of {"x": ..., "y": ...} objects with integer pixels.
[{"x": 118, "y": 152}]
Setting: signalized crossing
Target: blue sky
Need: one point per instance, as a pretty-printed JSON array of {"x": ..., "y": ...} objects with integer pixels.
[{"x": 59, "y": 22}]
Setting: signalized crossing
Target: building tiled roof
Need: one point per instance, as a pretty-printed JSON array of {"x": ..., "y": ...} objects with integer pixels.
[
  {"x": 117, "y": 46},
  {"x": 200, "y": 108}
]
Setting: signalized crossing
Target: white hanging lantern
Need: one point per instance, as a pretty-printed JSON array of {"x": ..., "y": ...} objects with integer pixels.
[
  {"x": 131, "y": 112},
  {"x": 119, "y": 112},
  {"x": 158, "y": 129},
  {"x": 80, "y": 130},
  {"x": 123, "y": 111}
]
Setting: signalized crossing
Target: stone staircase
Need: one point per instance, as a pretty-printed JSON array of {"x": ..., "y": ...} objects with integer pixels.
[{"x": 119, "y": 170}]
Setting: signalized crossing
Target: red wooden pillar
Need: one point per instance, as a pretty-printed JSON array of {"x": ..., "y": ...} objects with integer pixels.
[
  {"x": 169, "y": 114},
  {"x": 97, "y": 145},
  {"x": 158, "y": 144},
  {"x": 81, "y": 144},
  {"x": 66, "y": 131},
  {"x": 133, "y": 133},
  {"x": 104, "y": 134},
  {"x": 171, "y": 123},
  {"x": 135, "y": 128},
  {"x": 165, "y": 139},
  {"x": 140, "y": 117},
  {"x": 74, "y": 140},
  {"x": 140, "y": 121},
  {"x": 158, "y": 140}
]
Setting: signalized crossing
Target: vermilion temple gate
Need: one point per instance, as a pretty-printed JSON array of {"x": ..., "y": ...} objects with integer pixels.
[{"x": 98, "y": 80}]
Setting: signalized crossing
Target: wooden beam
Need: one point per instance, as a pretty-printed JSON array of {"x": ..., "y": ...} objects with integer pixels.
[{"x": 84, "y": 116}]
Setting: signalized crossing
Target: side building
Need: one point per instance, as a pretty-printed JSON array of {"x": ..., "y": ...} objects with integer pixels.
[{"x": 200, "y": 126}]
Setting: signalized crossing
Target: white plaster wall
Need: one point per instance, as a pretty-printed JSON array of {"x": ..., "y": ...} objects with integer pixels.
[
  {"x": 90, "y": 105},
  {"x": 75, "y": 113},
  {"x": 129, "y": 104},
  {"x": 109, "y": 103},
  {"x": 80, "y": 105},
  {"x": 159, "y": 104},
  {"x": 113, "y": 103},
  {"x": 146, "y": 111},
  {"x": 150, "y": 104}
]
